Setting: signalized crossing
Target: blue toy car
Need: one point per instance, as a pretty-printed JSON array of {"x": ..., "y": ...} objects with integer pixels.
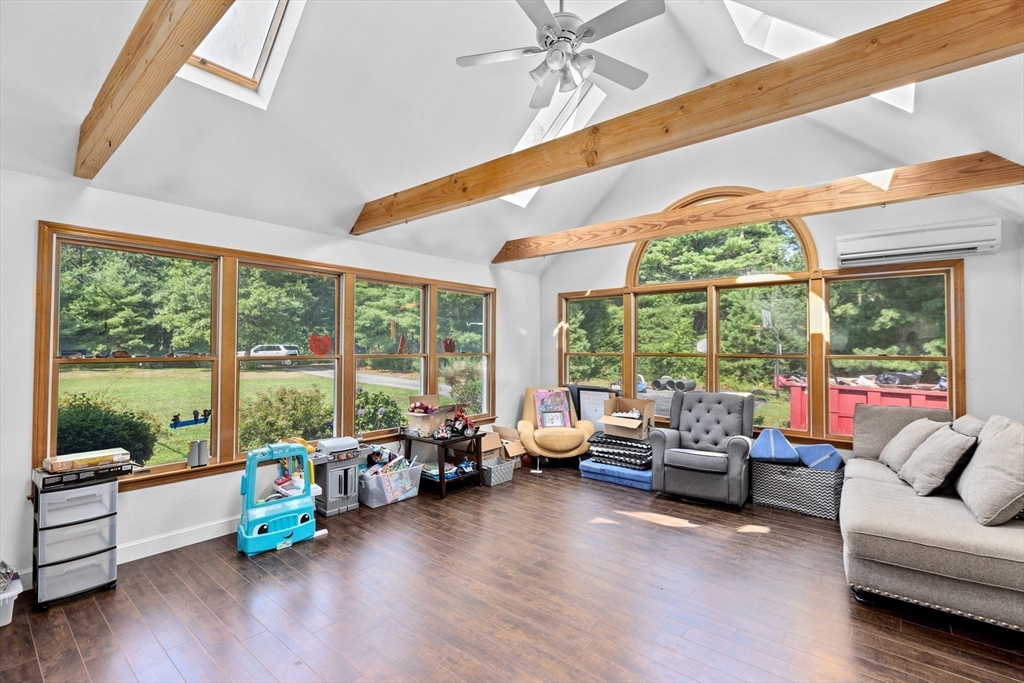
[{"x": 274, "y": 523}]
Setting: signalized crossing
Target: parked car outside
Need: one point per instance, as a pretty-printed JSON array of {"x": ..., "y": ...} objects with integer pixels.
[{"x": 275, "y": 350}]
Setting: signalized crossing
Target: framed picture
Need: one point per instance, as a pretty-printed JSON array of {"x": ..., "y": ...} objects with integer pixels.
[
  {"x": 552, "y": 418},
  {"x": 552, "y": 401}
]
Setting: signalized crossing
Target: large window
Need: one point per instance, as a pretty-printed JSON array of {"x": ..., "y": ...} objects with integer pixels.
[
  {"x": 888, "y": 344},
  {"x": 288, "y": 355},
  {"x": 464, "y": 347},
  {"x": 746, "y": 310},
  {"x": 150, "y": 344},
  {"x": 390, "y": 359},
  {"x": 762, "y": 350},
  {"x": 671, "y": 343},
  {"x": 133, "y": 350},
  {"x": 595, "y": 341}
]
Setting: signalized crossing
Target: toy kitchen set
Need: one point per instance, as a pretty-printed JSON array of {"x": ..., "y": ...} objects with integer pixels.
[{"x": 336, "y": 471}]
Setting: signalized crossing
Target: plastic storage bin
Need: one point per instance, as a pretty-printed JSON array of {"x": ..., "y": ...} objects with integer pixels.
[
  {"x": 384, "y": 489},
  {"x": 61, "y": 580},
  {"x": 78, "y": 504},
  {"x": 77, "y": 540},
  {"x": 7, "y": 601}
]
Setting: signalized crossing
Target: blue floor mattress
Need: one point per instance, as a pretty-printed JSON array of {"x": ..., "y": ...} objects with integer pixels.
[{"x": 624, "y": 476}]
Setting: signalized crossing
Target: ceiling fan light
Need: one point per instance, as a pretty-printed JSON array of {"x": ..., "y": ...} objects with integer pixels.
[
  {"x": 585, "y": 64},
  {"x": 567, "y": 80},
  {"x": 555, "y": 59},
  {"x": 540, "y": 73}
]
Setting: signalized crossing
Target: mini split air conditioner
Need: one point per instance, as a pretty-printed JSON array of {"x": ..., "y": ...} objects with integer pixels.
[{"x": 920, "y": 243}]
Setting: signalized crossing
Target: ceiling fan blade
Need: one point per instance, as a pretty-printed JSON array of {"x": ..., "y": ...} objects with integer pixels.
[
  {"x": 539, "y": 13},
  {"x": 614, "y": 70},
  {"x": 629, "y": 13},
  {"x": 499, "y": 56},
  {"x": 544, "y": 92}
]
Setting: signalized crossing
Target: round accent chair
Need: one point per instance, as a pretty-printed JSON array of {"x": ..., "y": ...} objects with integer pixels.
[{"x": 553, "y": 442}]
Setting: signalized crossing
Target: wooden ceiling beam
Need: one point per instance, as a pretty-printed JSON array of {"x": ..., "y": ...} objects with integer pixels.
[
  {"x": 969, "y": 173},
  {"x": 164, "y": 37},
  {"x": 949, "y": 37}
]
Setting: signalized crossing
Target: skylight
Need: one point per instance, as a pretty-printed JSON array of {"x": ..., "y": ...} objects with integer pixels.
[
  {"x": 781, "y": 39},
  {"x": 239, "y": 45},
  {"x": 568, "y": 113}
]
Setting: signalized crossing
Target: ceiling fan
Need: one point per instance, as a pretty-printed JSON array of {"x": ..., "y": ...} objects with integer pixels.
[{"x": 559, "y": 37}]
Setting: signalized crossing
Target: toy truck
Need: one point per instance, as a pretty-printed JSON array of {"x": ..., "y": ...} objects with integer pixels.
[{"x": 277, "y": 521}]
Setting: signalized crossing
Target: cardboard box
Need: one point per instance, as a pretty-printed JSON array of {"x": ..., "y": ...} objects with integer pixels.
[
  {"x": 626, "y": 428},
  {"x": 74, "y": 461},
  {"x": 510, "y": 440},
  {"x": 428, "y": 423}
]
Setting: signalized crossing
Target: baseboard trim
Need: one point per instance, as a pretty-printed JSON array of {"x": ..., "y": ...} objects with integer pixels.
[{"x": 179, "y": 538}]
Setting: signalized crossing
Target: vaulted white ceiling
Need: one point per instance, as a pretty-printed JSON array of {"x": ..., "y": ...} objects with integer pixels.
[{"x": 370, "y": 101}]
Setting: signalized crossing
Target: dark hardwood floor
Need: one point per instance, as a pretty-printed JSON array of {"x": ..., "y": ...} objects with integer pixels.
[{"x": 550, "y": 577}]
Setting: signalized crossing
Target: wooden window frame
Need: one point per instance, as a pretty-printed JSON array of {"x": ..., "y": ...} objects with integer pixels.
[
  {"x": 488, "y": 330},
  {"x": 223, "y": 343},
  {"x": 817, "y": 356},
  {"x": 564, "y": 351},
  {"x": 423, "y": 354},
  {"x": 253, "y": 82},
  {"x": 337, "y": 355}
]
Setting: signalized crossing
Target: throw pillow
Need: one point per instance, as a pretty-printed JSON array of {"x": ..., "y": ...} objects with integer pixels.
[
  {"x": 936, "y": 459},
  {"x": 969, "y": 425},
  {"x": 992, "y": 486},
  {"x": 898, "y": 451}
]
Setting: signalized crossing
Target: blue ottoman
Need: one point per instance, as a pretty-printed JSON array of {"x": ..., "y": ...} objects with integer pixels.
[{"x": 624, "y": 476}]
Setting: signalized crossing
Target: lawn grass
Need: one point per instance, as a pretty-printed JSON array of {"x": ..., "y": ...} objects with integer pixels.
[{"x": 163, "y": 392}]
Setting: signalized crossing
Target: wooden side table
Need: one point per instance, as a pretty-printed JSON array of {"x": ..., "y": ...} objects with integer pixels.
[{"x": 444, "y": 452}]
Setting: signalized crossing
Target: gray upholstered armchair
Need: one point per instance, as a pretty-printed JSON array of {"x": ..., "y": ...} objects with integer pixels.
[{"x": 704, "y": 452}]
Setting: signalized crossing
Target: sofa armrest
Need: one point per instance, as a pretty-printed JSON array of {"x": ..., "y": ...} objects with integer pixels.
[
  {"x": 738, "y": 448},
  {"x": 587, "y": 427},
  {"x": 661, "y": 440},
  {"x": 526, "y": 429}
]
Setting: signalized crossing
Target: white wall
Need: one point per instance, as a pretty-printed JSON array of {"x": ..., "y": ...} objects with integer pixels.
[
  {"x": 163, "y": 517},
  {"x": 787, "y": 154}
]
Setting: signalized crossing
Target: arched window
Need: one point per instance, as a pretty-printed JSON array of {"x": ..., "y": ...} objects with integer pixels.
[{"x": 773, "y": 247}]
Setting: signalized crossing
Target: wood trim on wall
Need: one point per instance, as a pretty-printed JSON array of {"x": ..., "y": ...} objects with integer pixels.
[
  {"x": 222, "y": 72},
  {"x": 225, "y": 365},
  {"x": 958, "y": 175}
]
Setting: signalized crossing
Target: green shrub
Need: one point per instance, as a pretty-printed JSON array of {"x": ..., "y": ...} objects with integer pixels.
[
  {"x": 276, "y": 413},
  {"x": 471, "y": 393},
  {"x": 376, "y": 410},
  {"x": 90, "y": 424}
]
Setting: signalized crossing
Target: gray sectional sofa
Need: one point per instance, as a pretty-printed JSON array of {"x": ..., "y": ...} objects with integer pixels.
[{"x": 926, "y": 550}]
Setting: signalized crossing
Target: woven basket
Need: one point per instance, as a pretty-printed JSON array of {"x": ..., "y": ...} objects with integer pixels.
[
  {"x": 797, "y": 489},
  {"x": 498, "y": 471}
]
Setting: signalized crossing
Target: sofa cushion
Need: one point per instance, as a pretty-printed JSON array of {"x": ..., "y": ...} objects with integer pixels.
[
  {"x": 706, "y": 420},
  {"x": 898, "y": 451},
  {"x": 992, "y": 485},
  {"x": 863, "y": 468},
  {"x": 875, "y": 426},
  {"x": 703, "y": 461},
  {"x": 969, "y": 425},
  {"x": 820, "y": 456},
  {"x": 558, "y": 439},
  {"x": 936, "y": 535},
  {"x": 937, "y": 460},
  {"x": 773, "y": 446}
]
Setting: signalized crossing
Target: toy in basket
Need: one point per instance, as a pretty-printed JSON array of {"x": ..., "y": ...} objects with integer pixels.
[{"x": 284, "y": 517}]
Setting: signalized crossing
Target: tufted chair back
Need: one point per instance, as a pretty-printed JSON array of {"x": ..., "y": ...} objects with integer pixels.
[{"x": 705, "y": 421}]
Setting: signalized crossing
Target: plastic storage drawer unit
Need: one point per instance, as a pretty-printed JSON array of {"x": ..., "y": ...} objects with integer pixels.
[
  {"x": 69, "y": 506},
  {"x": 68, "y": 578},
  {"x": 78, "y": 540},
  {"x": 75, "y": 540}
]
